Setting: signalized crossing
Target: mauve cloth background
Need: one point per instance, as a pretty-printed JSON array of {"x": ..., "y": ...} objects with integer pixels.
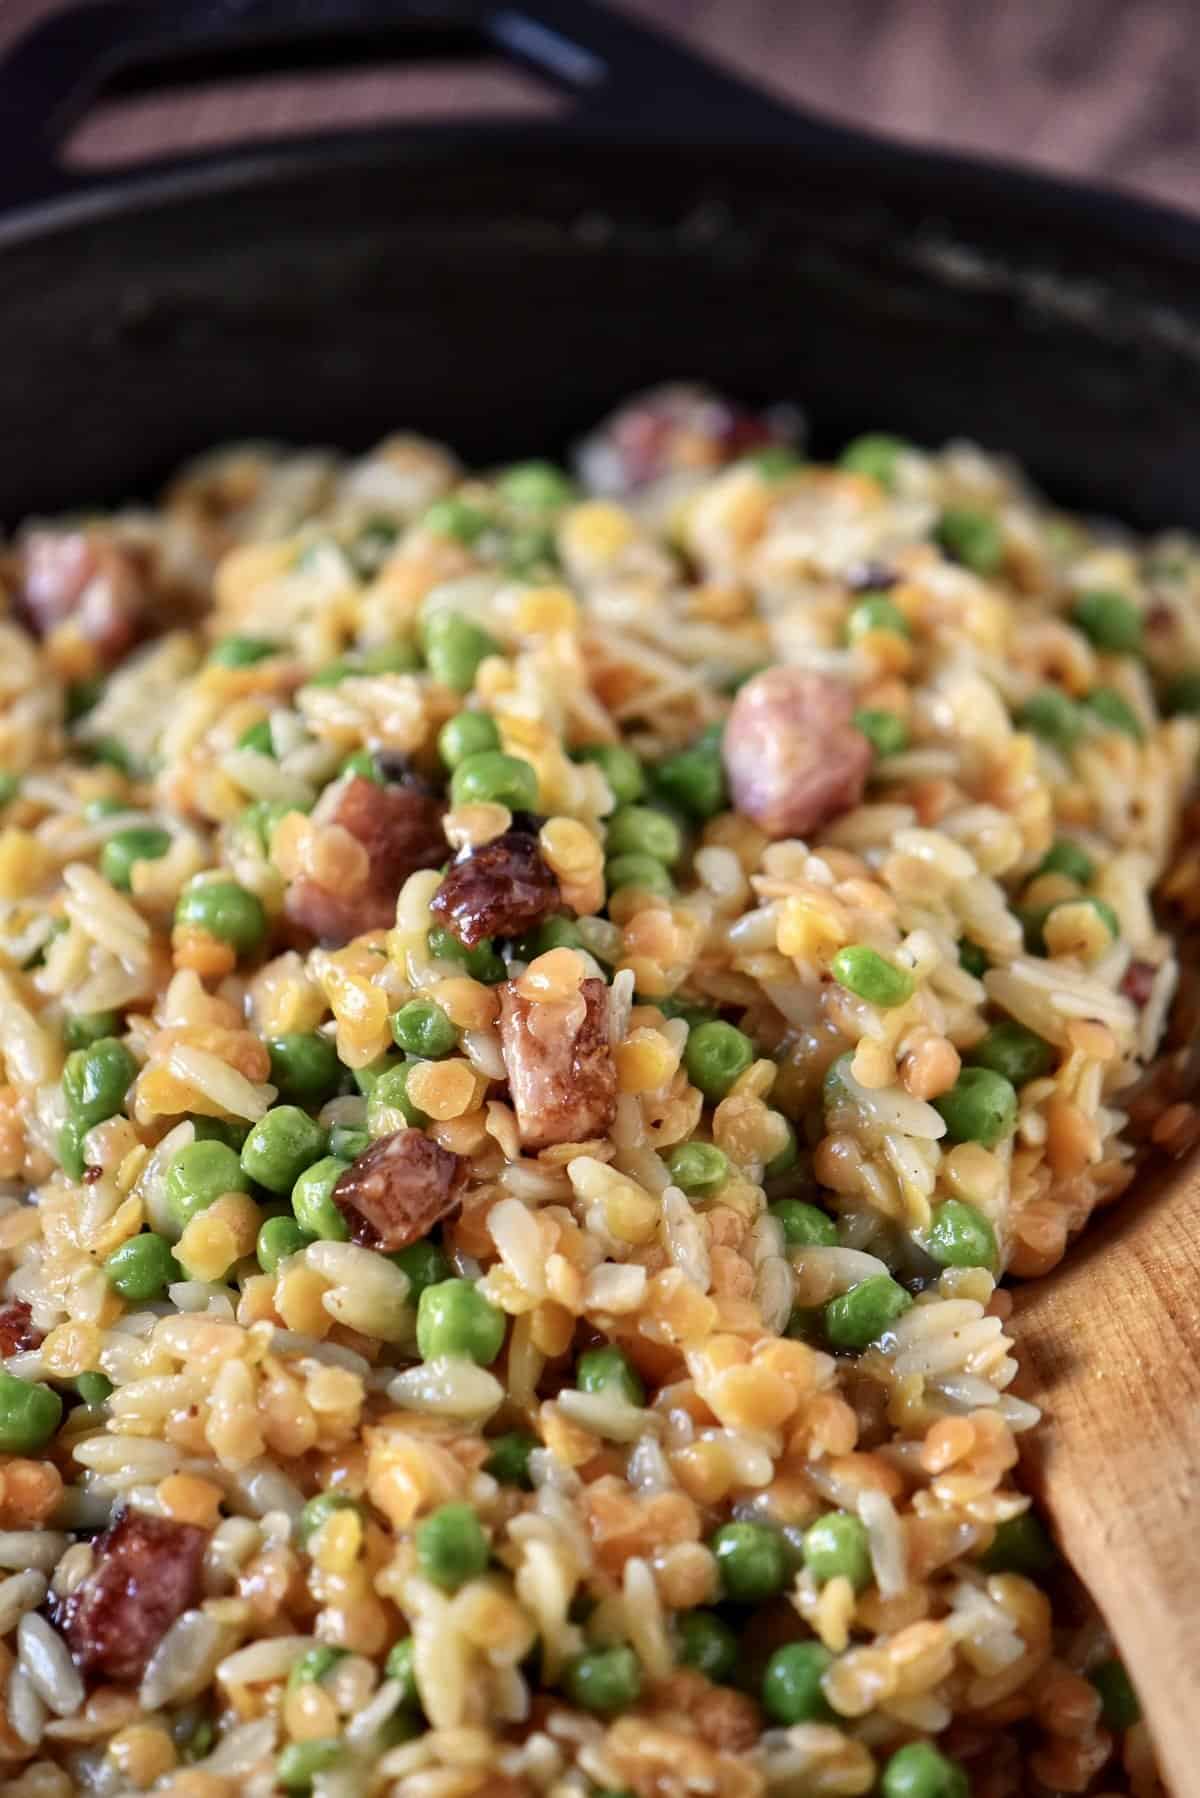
[{"x": 1106, "y": 88}]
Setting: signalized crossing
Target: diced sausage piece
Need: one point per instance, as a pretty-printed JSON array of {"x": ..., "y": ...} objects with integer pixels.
[
  {"x": 400, "y": 827},
  {"x": 499, "y": 889},
  {"x": 561, "y": 1071},
  {"x": 793, "y": 757},
  {"x": 16, "y": 1329},
  {"x": 398, "y": 1189},
  {"x": 80, "y": 575},
  {"x": 669, "y": 429},
  {"x": 145, "y": 1574}
]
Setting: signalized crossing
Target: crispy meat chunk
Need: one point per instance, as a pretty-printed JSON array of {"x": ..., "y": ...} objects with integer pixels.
[
  {"x": 561, "y": 1071},
  {"x": 400, "y": 827},
  {"x": 146, "y": 1573},
  {"x": 16, "y": 1329},
  {"x": 398, "y": 1189},
  {"x": 84, "y": 576},
  {"x": 793, "y": 757},
  {"x": 499, "y": 889},
  {"x": 676, "y": 428}
]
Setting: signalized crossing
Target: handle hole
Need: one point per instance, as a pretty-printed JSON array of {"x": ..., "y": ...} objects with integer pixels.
[{"x": 182, "y": 106}]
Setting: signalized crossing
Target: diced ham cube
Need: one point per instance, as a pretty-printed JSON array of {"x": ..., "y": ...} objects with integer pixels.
[
  {"x": 792, "y": 754},
  {"x": 146, "y": 1573},
  {"x": 500, "y": 889},
  {"x": 561, "y": 1071},
  {"x": 400, "y": 827},
  {"x": 398, "y": 1189}
]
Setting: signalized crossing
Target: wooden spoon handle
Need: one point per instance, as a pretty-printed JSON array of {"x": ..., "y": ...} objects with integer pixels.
[{"x": 1111, "y": 1343}]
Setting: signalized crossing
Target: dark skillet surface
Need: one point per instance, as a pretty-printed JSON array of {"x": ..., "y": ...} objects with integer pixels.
[{"x": 502, "y": 297}]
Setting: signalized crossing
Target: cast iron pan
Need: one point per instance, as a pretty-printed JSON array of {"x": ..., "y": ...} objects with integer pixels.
[{"x": 500, "y": 284}]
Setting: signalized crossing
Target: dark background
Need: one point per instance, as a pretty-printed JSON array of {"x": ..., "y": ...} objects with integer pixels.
[{"x": 1106, "y": 88}]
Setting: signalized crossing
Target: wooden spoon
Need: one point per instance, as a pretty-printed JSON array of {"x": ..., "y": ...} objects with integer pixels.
[{"x": 1110, "y": 1345}]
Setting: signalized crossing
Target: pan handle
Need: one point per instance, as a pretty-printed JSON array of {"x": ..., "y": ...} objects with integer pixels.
[{"x": 622, "y": 77}]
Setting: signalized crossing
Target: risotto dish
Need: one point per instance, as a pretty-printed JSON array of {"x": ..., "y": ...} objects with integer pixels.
[{"x": 538, "y": 1011}]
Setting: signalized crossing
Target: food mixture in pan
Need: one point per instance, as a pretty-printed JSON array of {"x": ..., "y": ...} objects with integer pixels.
[{"x": 537, "y": 1011}]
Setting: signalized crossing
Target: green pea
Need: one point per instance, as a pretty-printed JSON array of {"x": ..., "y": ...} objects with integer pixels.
[
  {"x": 389, "y": 1095},
  {"x": 1033, "y": 919},
  {"x": 198, "y": 1176},
  {"x": 1020, "y": 1545},
  {"x": 305, "y": 1067},
  {"x": 300, "y": 1762},
  {"x": 639, "y": 830},
  {"x": 692, "y": 1015},
  {"x": 400, "y": 1666},
  {"x": 785, "y": 1159},
  {"x": 142, "y": 1268},
  {"x": 620, "y": 768},
  {"x": 509, "y": 1459},
  {"x": 104, "y": 807},
  {"x": 555, "y": 933},
  {"x": 1050, "y": 715},
  {"x": 200, "y": 1742},
  {"x": 110, "y": 752},
  {"x": 30, "y": 1413},
  {"x": 313, "y": 1204},
  {"x": 454, "y": 1318},
  {"x": 791, "y": 1687},
  {"x": 641, "y": 873},
  {"x": 536, "y": 487},
  {"x": 70, "y": 1147},
  {"x": 1120, "y": 1707},
  {"x": 806, "y": 1323},
  {"x": 370, "y": 549},
  {"x": 1109, "y": 620},
  {"x": 886, "y": 732},
  {"x": 876, "y": 454},
  {"x": 279, "y": 1238},
  {"x": 280, "y": 1146},
  {"x": 332, "y": 674},
  {"x": 83, "y": 1028},
  {"x": 454, "y": 647},
  {"x": 423, "y": 1264},
  {"x": 230, "y": 1131},
  {"x": 1011, "y": 1049},
  {"x": 959, "y": 1235},
  {"x": 697, "y": 1166},
  {"x": 1103, "y": 910},
  {"x": 864, "y": 971},
  {"x": 491, "y": 777},
  {"x": 319, "y": 1510},
  {"x": 93, "y": 1388},
  {"x": 530, "y": 554},
  {"x": 82, "y": 697},
  {"x": 804, "y": 1226},
  {"x": 919, "y": 1771},
  {"x": 603, "y": 1679},
  {"x": 423, "y": 1028},
  {"x": 362, "y": 763},
  {"x": 10, "y": 786},
  {"x": 972, "y": 538},
  {"x": 481, "y": 962},
  {"x": 980, "y": 1107},
  {"x": 859, "y": 1317},
  {"x": 875, "y": 612},
  {"x": 262, "y": 816},
  {"x": 609, "y": 1369},
  {"x": 1182, "y": 696},
  {"x": 693, "y": 780},
  {"x": 226, "y": 911},
  {"x": 456, "y": 518},
  {"x": 451, "y": 1546},
  {"x": 348, "y": 1144},
  {"x": 836, "y": 1546},
  {"x": 708, "y": 1645},
  {"x": 973, "y": 958},
  {"x": 242, "y": 652},
  {"x": 96, "y": 1080},
  {"x": 314, "y": 1665},
  {"x": 752, "y": 1561},
  {"x": 772, "y": 463},
  {"x": 391, "y": 658},
  {"x": 1113, "y": 711},
  {"x": 716, "y": 1055},
  {"x": 469, "y": 733},
  {"x": 1066, "y": 857},
  {"x": 258, "y": 738}
]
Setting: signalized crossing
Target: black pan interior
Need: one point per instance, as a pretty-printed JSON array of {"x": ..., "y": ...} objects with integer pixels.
[{"x": 502, "y": 295}]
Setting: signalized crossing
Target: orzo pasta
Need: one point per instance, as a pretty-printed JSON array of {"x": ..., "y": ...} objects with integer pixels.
[{"x": 536, "y": 1014}]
